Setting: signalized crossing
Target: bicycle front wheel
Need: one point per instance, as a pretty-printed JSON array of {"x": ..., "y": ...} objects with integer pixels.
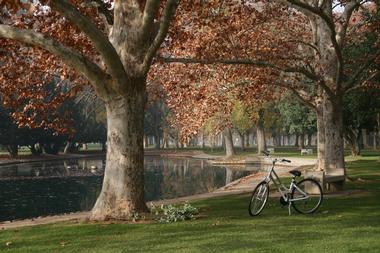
[
  {"x": 307, "y": 196},
  {"x": 258, "y": 199}
]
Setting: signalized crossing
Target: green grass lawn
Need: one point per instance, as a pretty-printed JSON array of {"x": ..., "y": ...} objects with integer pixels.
[{"x": 342, "y": 224}]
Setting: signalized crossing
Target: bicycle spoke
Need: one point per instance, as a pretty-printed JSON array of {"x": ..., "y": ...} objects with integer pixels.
[{"x": 306, "y": 196}]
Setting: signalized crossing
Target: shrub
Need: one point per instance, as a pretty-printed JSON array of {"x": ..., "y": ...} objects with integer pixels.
[{"x": 173, "y": 213}]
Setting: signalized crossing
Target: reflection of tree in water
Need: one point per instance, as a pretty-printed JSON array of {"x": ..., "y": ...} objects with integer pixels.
[
  {"x": 31, "y": 198},
  {"x": 153, "y": 178},
  {"x": 36, "y": 189},
  {"x": 183, "y": 177}
]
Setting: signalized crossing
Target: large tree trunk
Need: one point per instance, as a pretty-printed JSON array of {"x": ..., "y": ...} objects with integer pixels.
[
  {"x": 122, "y": 193},
  {"x": 261, "y": 143},
  {"x": 334, "y": 139},
  {"x": 228, "y": 142}
]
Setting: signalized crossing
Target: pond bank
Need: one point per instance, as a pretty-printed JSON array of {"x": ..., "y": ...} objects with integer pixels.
[{"x": 240, "y": 186}]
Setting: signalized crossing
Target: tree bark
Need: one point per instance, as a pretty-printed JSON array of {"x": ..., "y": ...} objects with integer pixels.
[
  {"x": 104, "y": 146},
  {"x": 247, "y": 135},
  {"x": 334, "y": 139},
  {"x": 146, "y": 143},
  {"x": 309, "y": 138},
  {"x": 203, "y": 140},
  {"x": 36, "y": 149},
  {"x": 302, "y": 141},
  {"x": 296, "y": 140},
  {"x": 242, "y": 141},
  {"x": 378, "y": 130},
  {"x": 122, "y": 193},
  {"x": 320, "y": 138},
  {"x": 364, "y": 138},
  {"x": 261, "y": 143},
  {"x": 12, "y": 150},
  {"x": 67, "y": 150},
  {"x": 157, "y": 140},
  {"x": 228, "y": 142}
]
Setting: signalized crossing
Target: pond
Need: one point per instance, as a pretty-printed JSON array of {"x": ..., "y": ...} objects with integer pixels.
[{"x": 48, "y": 188}]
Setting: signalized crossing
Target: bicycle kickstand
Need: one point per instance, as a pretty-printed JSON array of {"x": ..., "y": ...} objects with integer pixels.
[{"x": 289, "y": 209}]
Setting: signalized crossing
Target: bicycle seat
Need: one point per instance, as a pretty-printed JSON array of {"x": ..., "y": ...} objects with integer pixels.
[{"x": 295, "y": 173}]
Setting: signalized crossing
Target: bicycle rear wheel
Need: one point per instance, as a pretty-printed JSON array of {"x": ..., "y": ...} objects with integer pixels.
[
  {"x": 307, "y": 196},
  {"x": 258, "y": 199}
]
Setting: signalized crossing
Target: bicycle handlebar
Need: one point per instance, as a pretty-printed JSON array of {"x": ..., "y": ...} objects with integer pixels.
[{"x": 267, "y": 153}]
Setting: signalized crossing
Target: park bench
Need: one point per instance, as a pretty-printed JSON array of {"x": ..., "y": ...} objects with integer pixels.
[
  {"x": 331, "y": 181},
  {"x": 306, "y": 151}
]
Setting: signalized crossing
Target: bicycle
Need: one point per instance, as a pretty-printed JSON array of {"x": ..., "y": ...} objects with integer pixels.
[{"x": 305, "y": 196}]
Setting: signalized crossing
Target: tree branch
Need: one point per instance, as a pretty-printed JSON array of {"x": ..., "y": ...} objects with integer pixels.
[
  {"x": 82, "y": 64},
  {"x": 167, "y": 15},
  {"x": 263, "y": 64},
  {"x": 345, "y": 19},
  {"x": 101, "y": 42},
  {"x": 370, "y": 60},
  {"x": 369, "y": 78},
  {"x": 150, "y": 11},
  {"x": 102, "y": 9},
  {"x": 328, "y": 20},
  {"x": 301, "y": 94}
]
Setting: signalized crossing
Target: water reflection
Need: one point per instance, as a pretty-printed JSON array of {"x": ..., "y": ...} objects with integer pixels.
[{"x": 39, "y": 189}]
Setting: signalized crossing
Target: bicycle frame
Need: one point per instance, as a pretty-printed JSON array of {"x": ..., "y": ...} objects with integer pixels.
[{"x": 283, "y": 190}]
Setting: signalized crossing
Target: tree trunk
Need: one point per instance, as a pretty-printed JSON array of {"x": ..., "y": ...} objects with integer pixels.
[
  {"x": 104, "y": 146},
  {"x": 352, "y": 137},
  {"x": 261, "y": 143},
  {"x": 364, "y": 138},
  {"x": 203, "y": 140},
  {"x": 332, "y": 115},
  {"x": 302, "y": 141},
  {"x": 36, "y": 149},
  {"x": 157, "y": 141},
  {"x": 296, "y": 141},
  {"x": 247, "y": 140},
  {"x": 165, "y": 140},
  {"x": 309, "y": 138},
  {"x": 228, "y": 142},
  {"x": 146, "y": 142},
  {"x": 67, "y": 148},
  {"x": 242, "y": 141},
  {"x": 320, "y": 138},
  {"x": 275, "y": 140},
  {"x": 12, "y": 150},
  {"x": 122, "y": 193},
  {"x": 378, "y": 130}
]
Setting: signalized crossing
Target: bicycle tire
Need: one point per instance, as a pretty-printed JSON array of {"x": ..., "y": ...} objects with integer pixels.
[
  {"x": 314, "y": 201},
  {"x": 261, "y": 189}
]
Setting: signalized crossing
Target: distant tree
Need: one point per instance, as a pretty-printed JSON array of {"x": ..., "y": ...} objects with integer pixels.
[
  {"x": 360, "y": 111},
  {"x": 243, "y": 118},
  {"x": 297, "y": 118}
]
